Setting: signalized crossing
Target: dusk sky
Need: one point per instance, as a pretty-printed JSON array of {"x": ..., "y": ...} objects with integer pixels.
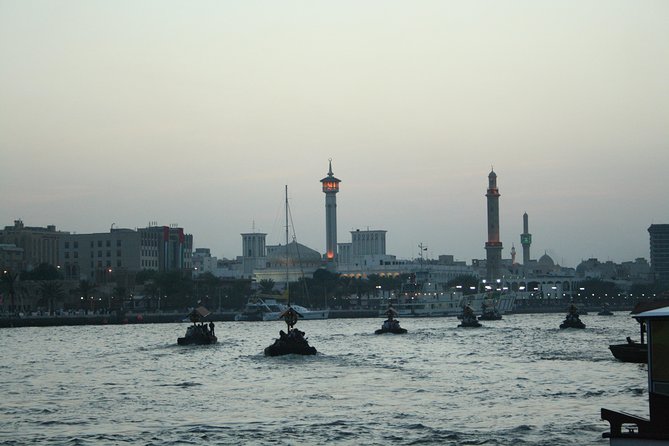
[{"x": 199, "y": 112}]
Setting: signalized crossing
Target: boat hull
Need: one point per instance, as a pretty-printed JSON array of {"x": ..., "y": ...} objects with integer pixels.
[
  {"x": 636, "y": 353},
  {"x": 282, "y": 347},
  {"x": 197, "y": 340},
  {"x": 575, "y": 324},
  {"x": 391, "y": 330}
]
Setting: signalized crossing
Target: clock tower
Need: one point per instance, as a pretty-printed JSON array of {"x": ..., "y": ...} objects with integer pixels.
[{"x": 330, "y": 189}]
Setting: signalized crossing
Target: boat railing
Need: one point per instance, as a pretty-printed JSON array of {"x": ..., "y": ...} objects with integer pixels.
[{"x": 632, "y": 423}]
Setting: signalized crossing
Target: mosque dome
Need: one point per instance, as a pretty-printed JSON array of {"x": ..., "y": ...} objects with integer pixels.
[
  {"x": 296, "y": 253},
  {"x": 546, "y": 260}
]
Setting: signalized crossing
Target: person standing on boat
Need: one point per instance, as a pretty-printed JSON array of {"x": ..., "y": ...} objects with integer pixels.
[{"x": 211, "y": 328}]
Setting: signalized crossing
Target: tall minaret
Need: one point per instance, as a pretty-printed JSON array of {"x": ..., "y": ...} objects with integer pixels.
[
  {"x": 330, "y": 189},
  {"x": 526, "y": 240},
  {"x": 493, "y": 246}
]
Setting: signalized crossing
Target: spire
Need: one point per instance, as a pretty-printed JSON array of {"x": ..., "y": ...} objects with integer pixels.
[{"x": 330, "y": 170}]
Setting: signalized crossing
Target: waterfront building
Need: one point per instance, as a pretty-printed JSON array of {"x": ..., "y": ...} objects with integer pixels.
[
  {"x": 95, "y": 257},
  {"x": 659, "y": 254},
  {"x": 204, "y": 262},
  {"x": 39, "y": 244},
  {"x": 493, "y": 246},
  {"x": 254, "y": 254},
  {"x": 11, "y": 258},
  {"x": 330, "y": 188}
]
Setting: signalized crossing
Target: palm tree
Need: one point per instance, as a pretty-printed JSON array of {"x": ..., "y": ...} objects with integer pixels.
[
  {"x": 85, "y": 290},
  {"x": 51, "y": 290},
  {"x": 9, "y": 280},
  {"x": 266, "y": 286}
]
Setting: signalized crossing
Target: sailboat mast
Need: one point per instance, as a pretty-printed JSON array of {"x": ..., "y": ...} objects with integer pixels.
[{"x": 287, "y": 256}]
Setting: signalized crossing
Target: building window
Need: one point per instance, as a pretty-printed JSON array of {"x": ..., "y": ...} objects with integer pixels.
[
  {"x": 118, "y": 263},
  {"x": 67, "y": 255},
  {"x": 108, "y": 253},
  {"x": 76, "y": 254},
  {"x": 118, "y": 243},
  {"x": 99, "y": 243},
  {"x": 118, "y": 253},
  {"x": 92, "y": 244},
  {"x": 76, "y": 245},
  {"x": 67, "y": 245},
  {"x": 99, "y": 253},
  {"x": 108, "y": 243}
]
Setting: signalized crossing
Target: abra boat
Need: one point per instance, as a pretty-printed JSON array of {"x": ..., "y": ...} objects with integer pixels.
[
  {"x": 632, "y": 351},
  {"x": 201, "y": 334},
  {"x": 572, "y": 320},
  {"x": 489, "y": 313},
  {"x": 605, "y": 311},
  {"x": 292, "y": 343},
  {"x": 468, "y": 318},
  {"x": 391, "y": 325}
]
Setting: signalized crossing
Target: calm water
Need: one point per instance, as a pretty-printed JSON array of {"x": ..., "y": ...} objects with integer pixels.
[{"x": 517, "y": 381}]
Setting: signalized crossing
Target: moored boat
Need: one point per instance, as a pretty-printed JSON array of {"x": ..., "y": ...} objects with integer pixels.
[{"x": 269, "y": 309}]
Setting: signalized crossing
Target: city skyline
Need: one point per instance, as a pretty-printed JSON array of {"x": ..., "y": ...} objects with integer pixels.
[{"x": 199, "y": 114}]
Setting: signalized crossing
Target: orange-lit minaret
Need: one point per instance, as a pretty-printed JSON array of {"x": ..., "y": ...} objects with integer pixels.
[
  {"x": 493, "y": 246},
  {"x": 330, "y": 189}
]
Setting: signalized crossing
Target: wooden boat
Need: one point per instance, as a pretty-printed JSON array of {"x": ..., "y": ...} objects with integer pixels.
[
  {"x": 391, "y": 325},
  {"x": 468, "y": 318},
  {"x": 630, "y": 352},
  {"x": 198, "y": 334},
  {"x": 572, "y": 320}
]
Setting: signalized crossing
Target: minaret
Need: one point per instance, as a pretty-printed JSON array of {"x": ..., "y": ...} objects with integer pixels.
[
  {"x": 330, "y": 189},
  {"x": 513, "y": 254},
  {"x": 493, "y": 246},
  {"x": 526, "y": 240}
]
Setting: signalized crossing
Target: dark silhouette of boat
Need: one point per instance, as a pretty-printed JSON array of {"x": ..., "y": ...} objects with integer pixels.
[
  {"x": 489, "y": 313},
  {"x": 468, "y": 318},
  {"x": 201, "y": 334},
  {"x": 292, "y": 342},
  {"x": 630, "y": 352},
  {"x": 572, "y": 320},
  {"x": 391, "y": 325},
  {"x": 605, "y": 311}
]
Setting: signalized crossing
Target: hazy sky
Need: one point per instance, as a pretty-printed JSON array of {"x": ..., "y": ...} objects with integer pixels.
[{"x": 199, "y": 112}]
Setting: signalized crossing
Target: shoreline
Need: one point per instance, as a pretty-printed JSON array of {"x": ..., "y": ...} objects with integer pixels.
[{"x": 227, "y": 316}]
